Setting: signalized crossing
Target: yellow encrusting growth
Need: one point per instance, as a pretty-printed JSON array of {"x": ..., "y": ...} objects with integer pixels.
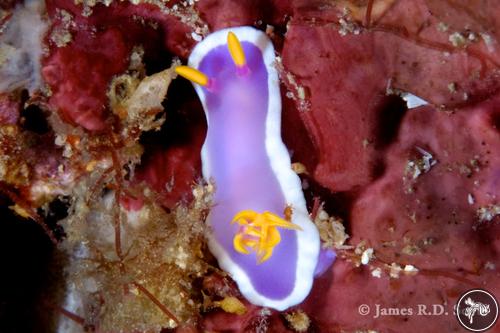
[
  {"x": 236, "y": 50},
  {"x": 192, "y": 74},
  {"x": 231, "y": 304},
  {"x": 258, "y": 232}
]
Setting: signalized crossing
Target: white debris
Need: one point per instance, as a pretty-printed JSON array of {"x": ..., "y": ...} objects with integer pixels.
[
  {"x": 415, "y": 168},
  {"x": 413, "y": 101},
  {"x": 269, "y": 30},
  {"x": 323, "y": 215},
  {"x": 347, "y": 26},
  {"x": 457, "y": 39},
  {"x": 73, "y": 298},
  {"x": 452, "y": 87},
  {"x": 427, "y": 158},
  {"x": 472, "y": 37},
  {"x": 489, "y": 41},
  {"x": 331, "y": 230},
  {"x": 470, "y": 199},
  {"x": 488, "y": 213},
  {"x": 196, "y": 37},
  {"x": 489, "y": 265},
  {"x": 443, "y": 27},
  {"x": 410, "y": 269},
  {"x": 21, "y": 48},
  {"x": 366, "y": 256},
  {"x": 377, "y": 272},
  {"x": 295, "y": 91},
  {"x": 394, "y": 270},
  {"x": 301, "y": 92},
  {"x": 265, "y": 312}
]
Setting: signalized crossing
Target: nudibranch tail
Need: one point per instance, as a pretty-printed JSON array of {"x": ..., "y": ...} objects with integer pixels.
[
  {"x": 236, "y": 50},
  {"x": 193, "y": 75}
]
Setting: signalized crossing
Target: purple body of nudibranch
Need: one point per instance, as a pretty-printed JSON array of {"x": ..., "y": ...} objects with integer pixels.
[
  {"x": 245, "y": 157},
  {"x": 240, "y": 166}
]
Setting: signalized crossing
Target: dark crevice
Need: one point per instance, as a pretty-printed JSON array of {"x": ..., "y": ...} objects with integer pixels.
[
  {"x": 26, "y": 254},
  {"x": 183, "y": 109},
  {"x": 495, "y": 120},
  {"x": 391, "y": 113},
  {"x": 33, "y": 119},
  {"x": 156, "y": 60},
  {"x": 57, "y": 210},
  {"x": 336, "y": 204}
]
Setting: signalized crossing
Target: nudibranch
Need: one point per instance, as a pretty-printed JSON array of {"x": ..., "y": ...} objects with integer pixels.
[{"x": 261, "y": 232}]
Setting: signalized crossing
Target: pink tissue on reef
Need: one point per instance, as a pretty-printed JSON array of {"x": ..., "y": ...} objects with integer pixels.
[
  {"x": 354, "y": 140},
  {"x": 171, "y": 172},
  {"x": 10, "y": 107},
  {"x": 80, "y": 72}
]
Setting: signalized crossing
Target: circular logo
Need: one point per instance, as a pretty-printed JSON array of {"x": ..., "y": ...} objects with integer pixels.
[{"x": 477, "y": 310}]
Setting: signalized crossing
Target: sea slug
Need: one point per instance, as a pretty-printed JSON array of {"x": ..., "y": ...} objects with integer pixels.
[{"x": 261, "y": 232}]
